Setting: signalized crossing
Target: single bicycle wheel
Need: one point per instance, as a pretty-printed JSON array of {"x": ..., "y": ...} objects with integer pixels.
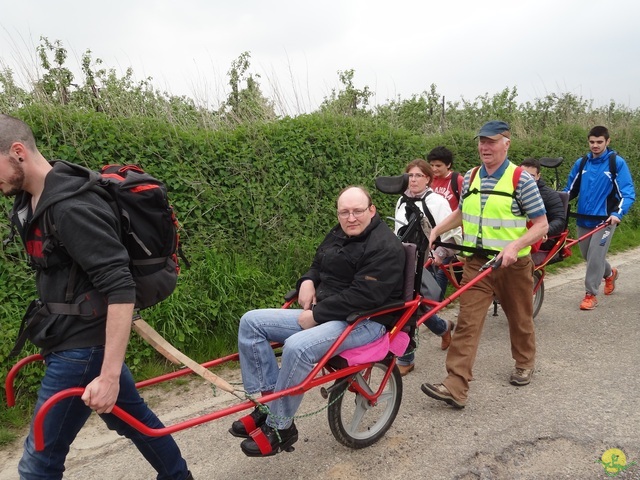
[
  {"x": 353, "y": 420},
  {"x": 538, "y": 295}
]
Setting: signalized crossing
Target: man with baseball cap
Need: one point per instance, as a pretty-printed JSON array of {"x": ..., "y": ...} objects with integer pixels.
[
  {"x": 494, "y": 217},
  {"x": 495, "y": 129}
]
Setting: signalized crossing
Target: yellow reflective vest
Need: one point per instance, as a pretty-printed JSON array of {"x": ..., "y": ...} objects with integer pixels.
[{"x": 494, "y": 226}]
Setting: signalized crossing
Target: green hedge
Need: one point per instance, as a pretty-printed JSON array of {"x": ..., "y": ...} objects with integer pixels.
[{"x": 253, "y": 201}]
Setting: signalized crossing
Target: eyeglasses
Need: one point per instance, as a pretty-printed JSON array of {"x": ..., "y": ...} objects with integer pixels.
[
  {"x": 417, "y": 175},
  {"x": 344, "y": 214}
]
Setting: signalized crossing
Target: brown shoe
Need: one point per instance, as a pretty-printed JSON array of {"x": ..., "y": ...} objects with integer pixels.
[
  {"x": 446, "y": 338},
  {"x": 521, "y": 376},
  {"x": 406, "y": 369},
  {"x": 440, "y": 392}
]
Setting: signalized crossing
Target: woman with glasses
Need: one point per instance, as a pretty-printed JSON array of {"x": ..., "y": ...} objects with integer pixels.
[{"x": 434, "y": 208}]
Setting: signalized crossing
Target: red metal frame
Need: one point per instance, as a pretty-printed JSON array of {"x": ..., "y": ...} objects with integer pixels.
[
  {"x": 562, "y": 241},
  {"x": 322, "y": 373},
  {"x": 10, "y": 380}
]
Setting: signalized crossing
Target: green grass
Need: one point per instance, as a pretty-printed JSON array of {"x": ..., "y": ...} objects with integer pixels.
[
  {"x": 13, "y": 421},
  {"x": 154, "y": 368}
]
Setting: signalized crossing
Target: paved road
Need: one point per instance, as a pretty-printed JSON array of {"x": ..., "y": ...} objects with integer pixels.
[{"x": 583, "y": 401}]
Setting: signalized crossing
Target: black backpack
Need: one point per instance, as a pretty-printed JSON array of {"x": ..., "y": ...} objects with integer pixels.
[
  {"x": 148, "y": 228},
  {"x": 454, "y": 185},
  {"x": 409, "y": 233}
]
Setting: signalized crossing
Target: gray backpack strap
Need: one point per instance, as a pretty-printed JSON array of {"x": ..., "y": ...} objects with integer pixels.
[{"x": 36, "y": 311}]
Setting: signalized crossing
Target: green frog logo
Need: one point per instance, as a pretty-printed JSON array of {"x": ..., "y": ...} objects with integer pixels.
[{"x": 614, "y": 461}]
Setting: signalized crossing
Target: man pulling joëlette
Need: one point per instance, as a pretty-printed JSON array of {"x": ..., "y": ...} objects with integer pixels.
[
  {"x": 498, "y": 223},
  {"x": 79, "y": 350}
]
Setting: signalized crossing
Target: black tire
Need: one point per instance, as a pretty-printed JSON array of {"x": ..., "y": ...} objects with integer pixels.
[
  {"x": 353, "y": 421},
  {"x": 538, "y": 295}
]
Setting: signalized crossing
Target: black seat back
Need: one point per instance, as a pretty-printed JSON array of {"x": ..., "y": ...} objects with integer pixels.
[
  {"x": 410, "y": 263},
  {"x": 564, "y": 196}
]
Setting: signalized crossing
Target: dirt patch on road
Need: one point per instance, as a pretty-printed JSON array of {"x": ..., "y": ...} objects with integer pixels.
[{"x": 542, "y": 459}]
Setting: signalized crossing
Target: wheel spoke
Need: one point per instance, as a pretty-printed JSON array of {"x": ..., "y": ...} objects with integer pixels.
[
  {"x": 385, "y": 397},
  {"x": 363, "y": 384},
  {"x": 356, "y": 419}
]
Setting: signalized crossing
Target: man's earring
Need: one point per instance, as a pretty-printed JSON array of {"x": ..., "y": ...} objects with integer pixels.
[{"x": 20, "y": 159}]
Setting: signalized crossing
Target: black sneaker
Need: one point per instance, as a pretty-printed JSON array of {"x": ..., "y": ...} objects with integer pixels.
[
  {"x": 243, "y": 427},
  {"x": 268, "y": 441}
]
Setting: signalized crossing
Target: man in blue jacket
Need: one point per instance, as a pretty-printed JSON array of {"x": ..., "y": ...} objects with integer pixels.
[{"x": 609, "y": 193}]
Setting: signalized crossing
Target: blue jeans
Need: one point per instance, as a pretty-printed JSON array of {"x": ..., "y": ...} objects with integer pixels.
[
  {"x": 441, "y": 277},
  {"x": 77, "y": 368},
  {"x": 302, "y": 350}
]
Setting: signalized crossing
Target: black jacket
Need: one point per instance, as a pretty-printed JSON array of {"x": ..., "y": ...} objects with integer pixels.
[
  {"x": 355, "y": 274},
  {"x": 556, "y": 215},
  {"x": 87, "y": 233}
]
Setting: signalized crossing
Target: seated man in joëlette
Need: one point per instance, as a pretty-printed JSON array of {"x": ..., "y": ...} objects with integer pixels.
[{"x": 358, "y": 267}]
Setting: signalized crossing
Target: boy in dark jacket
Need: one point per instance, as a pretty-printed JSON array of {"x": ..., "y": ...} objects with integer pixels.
[
  {"x": 85, "y": 348},
  {"x": 556, "y": 213},
  {"x": 358, "y": 267}
]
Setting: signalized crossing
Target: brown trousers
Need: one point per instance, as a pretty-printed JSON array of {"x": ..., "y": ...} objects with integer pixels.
[{"x": 513, "y": 285}]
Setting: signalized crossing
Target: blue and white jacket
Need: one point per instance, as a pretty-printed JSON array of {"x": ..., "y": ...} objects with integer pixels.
[{"x": 596, "y": 185}]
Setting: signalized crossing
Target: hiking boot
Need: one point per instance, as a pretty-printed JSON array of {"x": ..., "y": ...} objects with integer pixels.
[
  {"x": 610, "y": 282},
  {"x": 268, "y": 441},
  {"x": 446, "y": 337},
  {"x": 440, "y": 392},
  {"x": 521, "y": 376},
  {"x": 406, "y": 369},
  {"x": 243, "y": 427},
  {"x": 589, "y": 302}
]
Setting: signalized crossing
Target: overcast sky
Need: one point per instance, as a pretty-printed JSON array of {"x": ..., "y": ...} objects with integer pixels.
[{"x": 397, "y": 48}]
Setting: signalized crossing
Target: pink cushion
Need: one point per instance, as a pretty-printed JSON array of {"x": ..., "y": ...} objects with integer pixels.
[{"x": 377, "y": 350}]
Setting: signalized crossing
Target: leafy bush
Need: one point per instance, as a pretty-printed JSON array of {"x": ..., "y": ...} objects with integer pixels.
[
  {"x": 251, "y": 198},
  {"x": 255, "y": 197}
]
